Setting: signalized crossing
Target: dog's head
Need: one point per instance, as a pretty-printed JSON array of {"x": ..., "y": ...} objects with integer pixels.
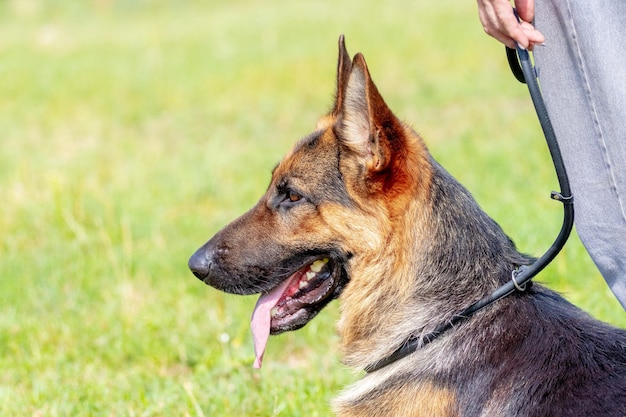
[{"x": 331, "y": 201}]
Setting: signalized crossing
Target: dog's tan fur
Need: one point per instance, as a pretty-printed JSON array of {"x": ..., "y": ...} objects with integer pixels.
[{"x": 426, "y": 400}]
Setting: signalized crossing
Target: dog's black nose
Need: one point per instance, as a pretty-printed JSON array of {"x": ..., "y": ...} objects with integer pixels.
[{"x": 199, "y": 264}]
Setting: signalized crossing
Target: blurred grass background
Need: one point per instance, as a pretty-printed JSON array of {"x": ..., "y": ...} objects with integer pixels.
[{"x": 132, "y": 130}]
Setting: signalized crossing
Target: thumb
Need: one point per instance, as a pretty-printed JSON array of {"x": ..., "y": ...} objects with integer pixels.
[{"x": 525, "y": 9}]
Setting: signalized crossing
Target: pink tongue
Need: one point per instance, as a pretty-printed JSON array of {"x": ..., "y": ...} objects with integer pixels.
[{"x": 261, "y": 320}]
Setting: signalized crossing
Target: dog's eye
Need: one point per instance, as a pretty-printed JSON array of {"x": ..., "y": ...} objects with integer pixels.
[
  {"x": 290, "y": 198},
  {"x": 293, "y": 197}
]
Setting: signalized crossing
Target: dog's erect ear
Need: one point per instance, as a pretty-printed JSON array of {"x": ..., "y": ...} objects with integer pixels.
[
  {"x": 344, "y": 65},
  {"x": 367, "y": 125}
]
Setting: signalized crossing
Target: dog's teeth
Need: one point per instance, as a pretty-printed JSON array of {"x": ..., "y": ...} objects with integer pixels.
[
  {"x": 310, "y": 275},
  {"x": 304, "y": 283},
  {"x": 318, "y": 265},
  {"x": 273, "y": 311}
]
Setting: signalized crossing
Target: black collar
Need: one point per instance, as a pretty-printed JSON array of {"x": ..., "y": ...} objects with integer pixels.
[{"x": 414, "y": 343}]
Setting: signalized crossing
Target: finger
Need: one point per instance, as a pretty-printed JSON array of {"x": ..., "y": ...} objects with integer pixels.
[
  {"x": 506, "y": 40},
  {"x": 513, "y": 33},
  {"x": 534, "y": 36},
  {"x": 525, "y": 9}
]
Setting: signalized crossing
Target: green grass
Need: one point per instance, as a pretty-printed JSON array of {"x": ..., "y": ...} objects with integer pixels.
[{"x": 131, "y": 131}]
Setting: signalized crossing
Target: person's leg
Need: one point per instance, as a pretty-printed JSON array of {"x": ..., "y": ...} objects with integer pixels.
[{"x": 582, "y": 72}]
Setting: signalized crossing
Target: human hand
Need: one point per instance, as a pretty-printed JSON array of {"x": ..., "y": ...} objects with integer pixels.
[{"x": 499, "y": 21}]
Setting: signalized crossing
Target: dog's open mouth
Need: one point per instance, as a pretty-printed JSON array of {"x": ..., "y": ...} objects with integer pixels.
[{"x": 293, "y": 303}]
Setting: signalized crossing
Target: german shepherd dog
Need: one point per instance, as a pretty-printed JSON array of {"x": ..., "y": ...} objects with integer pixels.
[{"x": 359, "y": 210}]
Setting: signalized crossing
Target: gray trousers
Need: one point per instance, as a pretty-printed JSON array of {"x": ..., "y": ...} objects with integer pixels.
[{"x": 582, "y": 71}]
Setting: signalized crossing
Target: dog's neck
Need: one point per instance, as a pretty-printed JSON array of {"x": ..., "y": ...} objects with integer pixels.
[{"x": 453, "y": 263}]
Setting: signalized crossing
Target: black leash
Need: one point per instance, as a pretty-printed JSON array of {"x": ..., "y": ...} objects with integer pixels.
[{"x": 524, "y": 71}]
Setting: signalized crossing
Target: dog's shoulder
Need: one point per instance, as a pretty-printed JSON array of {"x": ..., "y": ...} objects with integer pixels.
[{"x": 557, "y": 356}]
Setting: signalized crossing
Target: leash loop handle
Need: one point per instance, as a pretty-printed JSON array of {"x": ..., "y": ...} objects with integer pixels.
[{"x": 523, "y": 63}]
